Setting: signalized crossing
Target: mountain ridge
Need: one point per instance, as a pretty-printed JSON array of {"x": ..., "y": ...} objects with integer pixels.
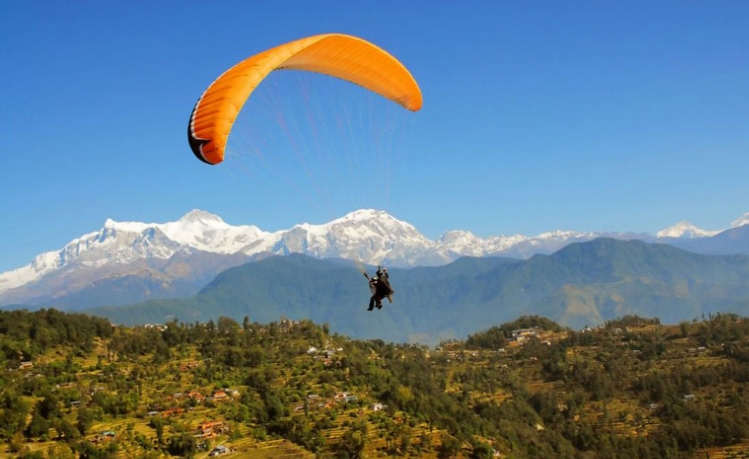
[
  {"x": 366, "y": 236},
  {"x": 582, "y": 284}
]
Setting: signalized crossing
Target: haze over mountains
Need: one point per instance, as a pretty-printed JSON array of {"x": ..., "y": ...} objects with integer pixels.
[
  {"x": 584, "y": 283},
  {"x": 129, "y": 262}
]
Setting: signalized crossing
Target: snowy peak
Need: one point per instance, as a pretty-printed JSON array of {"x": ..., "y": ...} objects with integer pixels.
[
  {"x": 203, "y": 218},
  {"x": 367, "y": 235},
  {"x": 362, "y": 225},
  {"x": 458, "y": 237},
  {"x": 363, "y": 215},
  {"x": 377, "y": 221},
  {"x": 205, "y": 231},
  {"x": 129, "y": 227},
  {"x": 743, "y": 220},
  {"x": 122, "y": 243},
  {"x": 461, "y": 243},
  {"x": 684, "y": 230}
]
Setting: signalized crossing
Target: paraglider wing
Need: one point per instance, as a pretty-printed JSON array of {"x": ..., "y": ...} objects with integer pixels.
[{"x": 342, "y": 56}]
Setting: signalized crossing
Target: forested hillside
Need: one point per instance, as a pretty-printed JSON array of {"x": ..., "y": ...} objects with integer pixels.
[{"x": 75, "y": 386}]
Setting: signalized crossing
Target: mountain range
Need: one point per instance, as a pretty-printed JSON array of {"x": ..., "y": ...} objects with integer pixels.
[
  {"x": 130, "y": 262},
  {"x": 581, "y": 284}
]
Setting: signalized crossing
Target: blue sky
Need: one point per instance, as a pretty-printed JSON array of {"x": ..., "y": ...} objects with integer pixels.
[{"x": 539, "y": 115}]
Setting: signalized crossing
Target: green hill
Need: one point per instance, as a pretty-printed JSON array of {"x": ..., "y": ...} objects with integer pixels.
[
  {"x": 74, "y": 386},
  {"x": 582, "y": 284}
]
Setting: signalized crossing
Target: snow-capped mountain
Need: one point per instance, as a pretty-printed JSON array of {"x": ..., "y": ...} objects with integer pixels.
[
  {"x": 684, "y": 229},
  {"x": 741, "y": 221},
  {"x": 123, "y": 243},
  {"x": 165, "y": 253},
  {"x": 176, "y": 257},
  {"x": 369, "y": 236}
]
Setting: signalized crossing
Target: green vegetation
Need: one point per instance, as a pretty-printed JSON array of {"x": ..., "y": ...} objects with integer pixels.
[
  {"x": 75, "y": 386},
  {"x": 582, "y": 284}
]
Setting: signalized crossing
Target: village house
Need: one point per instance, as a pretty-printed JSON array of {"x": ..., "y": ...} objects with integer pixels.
[
  {"x": 195, "y": 395},
  {"x": 219, "y": 450},
  {"x": 104, "y": 437},
  {"x": 172, "y": 412},
  {"x": 521, "y": 334},
  {"x": 210, "y": 429},
  {"x": 219, "y": 396}
]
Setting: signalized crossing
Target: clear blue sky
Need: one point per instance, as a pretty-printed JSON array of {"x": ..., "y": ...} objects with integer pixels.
[{"x": 539, "y": 115}]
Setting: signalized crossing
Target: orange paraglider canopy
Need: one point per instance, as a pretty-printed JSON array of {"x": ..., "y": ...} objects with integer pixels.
[{"x": 342, "y": 56}]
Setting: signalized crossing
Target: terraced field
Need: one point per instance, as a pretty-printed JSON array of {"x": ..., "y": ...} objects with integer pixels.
[{"x": 279, "y": 391}]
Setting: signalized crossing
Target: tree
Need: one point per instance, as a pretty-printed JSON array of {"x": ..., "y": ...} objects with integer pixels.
[
  {"x": 352, "y": 443},
  {"x": 26, "y": 454},
  {"x": 493, "y": 338},
  {"x": 38, "y": 426},
  {"x": 85, "y": 419},
  {"x": 227, "y": 326},
  {"x": 49, "y": 406},
  {"x": 162, "y": 353},
  {"x": 183, "y": 444},
  {"x": 425, "y": 441},
  {"x": 684, "y": 328},
  {"x": 88, "y": 450},
  {"x": 60, "y": 451},
  {"x": 67, "y": 430},
  {"x": 482, "y": 451},
  {"x": 13, "y": 411},
  {"x": 157, "y": 424},
  {"x": 450, "y": 447},
  {"x": 274, "y": 408}
]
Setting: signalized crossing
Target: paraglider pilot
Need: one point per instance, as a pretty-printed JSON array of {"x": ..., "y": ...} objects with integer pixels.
[{"x": 379, "y": 285}]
